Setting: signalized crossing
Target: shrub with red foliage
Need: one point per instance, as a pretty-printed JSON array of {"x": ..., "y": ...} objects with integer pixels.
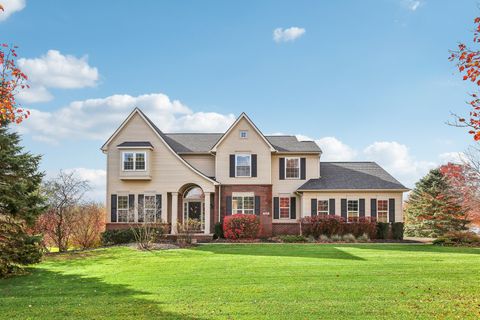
[
  {"x": 334, "y": 225},
  {"x": 241, "y": 226}
]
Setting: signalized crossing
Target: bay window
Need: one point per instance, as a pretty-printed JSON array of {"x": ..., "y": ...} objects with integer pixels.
[{"x": 134, "y": 161}]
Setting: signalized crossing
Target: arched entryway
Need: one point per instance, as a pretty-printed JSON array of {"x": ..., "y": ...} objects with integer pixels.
[{"x": 193, "y": 206}]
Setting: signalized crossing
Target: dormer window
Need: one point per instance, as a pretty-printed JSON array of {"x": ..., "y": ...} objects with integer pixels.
[
  {"x": 134, "y": 161},
  {"x": 243, "y": 134}
]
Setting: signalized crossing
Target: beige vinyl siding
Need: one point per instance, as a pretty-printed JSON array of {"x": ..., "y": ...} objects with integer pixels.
[
  {"x": 205, "y": 163},
  {"x": 291, "y": 185},
  {"x": 168, "y": 172},
  {"x": 398, "y": 196},
  {"x": 233, "y": 144}
]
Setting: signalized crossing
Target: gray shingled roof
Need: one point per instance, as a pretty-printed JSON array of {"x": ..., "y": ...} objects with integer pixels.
[
  {"x": 203, "y": 142},
  {"x": 351, "y": 176},
  {"x": 135, "y": 144}
]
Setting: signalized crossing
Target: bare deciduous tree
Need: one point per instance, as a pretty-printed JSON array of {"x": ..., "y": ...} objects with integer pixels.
[
  {"x": 64, "y": 193},
  {"x": 88, "y": 224}
]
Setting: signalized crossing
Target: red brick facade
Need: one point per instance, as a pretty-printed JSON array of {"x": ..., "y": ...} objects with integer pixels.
[
  {"x": 264, "y": 191},
  {"x": 285, "y": 228}
]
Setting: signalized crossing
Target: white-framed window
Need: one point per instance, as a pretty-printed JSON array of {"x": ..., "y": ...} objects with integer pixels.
[
  {"x": 149, "y": 207},
  {"x": 122, "y": 208},
  {"x": 322, "y": 207},
  {"x": 134, "y": 161},
  {"x": 284, "y": 207},
  {"x": 243, "y": 134},
  {"x": 352, "y": 209},
  {"x": 243, "y": 165},
  {"x": 243, "y": 204},
  {"x": 382, "y": 210},
  {"x": 292, "y": 168}
]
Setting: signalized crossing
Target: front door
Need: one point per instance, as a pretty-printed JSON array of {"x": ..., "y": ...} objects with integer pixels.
[{"x": 195, "y": 210}]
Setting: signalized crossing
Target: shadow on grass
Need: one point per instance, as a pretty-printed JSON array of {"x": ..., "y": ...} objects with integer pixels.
[
  {"x": 417, "y": 248},
  {"x": 44, "y": 294},
  {"x": 280, "y": 250}
]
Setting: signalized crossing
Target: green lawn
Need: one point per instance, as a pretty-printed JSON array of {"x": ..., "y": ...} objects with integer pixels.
[{"x": 261, "y": 281}]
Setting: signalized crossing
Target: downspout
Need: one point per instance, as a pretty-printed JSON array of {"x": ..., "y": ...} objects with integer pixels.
[{"x": 219, "y": 202}]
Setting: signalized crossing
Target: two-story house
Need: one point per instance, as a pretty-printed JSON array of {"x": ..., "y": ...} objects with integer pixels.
[{"x": 154, "y": 176}]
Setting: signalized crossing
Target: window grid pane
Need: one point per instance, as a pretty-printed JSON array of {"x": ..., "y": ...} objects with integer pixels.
[
  {"x": 292, "y": 168},
  {"x": 382, "y": 210},
  {"x": 284, "y": 208},
  {"x": 352, "y": 208},
  {"x": 128, "y": 161},
  {"x": 322, "y": 207},
  {"x": 150, "y": 207},
  {"x": 140, "y": 161},
  {"x": 243, "y": 205},
  {"x": 243, "y": 165}
]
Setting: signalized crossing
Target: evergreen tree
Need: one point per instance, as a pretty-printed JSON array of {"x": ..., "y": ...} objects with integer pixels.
[
  {"x": 433, "y": 208},
  {"x": 20, "y": 204}
]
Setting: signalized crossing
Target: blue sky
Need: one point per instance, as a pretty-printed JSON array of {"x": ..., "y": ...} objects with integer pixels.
[{"x": 368, "y": 80}]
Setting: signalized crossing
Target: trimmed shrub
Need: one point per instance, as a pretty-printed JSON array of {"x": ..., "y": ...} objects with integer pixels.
[
  {"x": 383, "y": 229},
  {"x": 349, "y": 238},
  {"x": 121, "y": 236},
  {"x": 336, "y": 238},
  {"x": 218, "y": 231},
  {"x": 241, "y": 226},
  {"x": 330, "y": 225},
  {"x": 291, "y": 238},
  {"x": 458, "y": 238},
  {"x": 324, "y": 238},
  {"x": 363, "y": 238},
  {"x": 397, "y": 230}
]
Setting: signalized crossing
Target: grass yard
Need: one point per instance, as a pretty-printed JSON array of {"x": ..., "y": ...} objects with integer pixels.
[{"x": 257, "y": 281}]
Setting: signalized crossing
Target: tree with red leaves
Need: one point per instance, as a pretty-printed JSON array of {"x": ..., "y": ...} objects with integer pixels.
[
  {"x": 468, "y": 63},
  {"x": 12, "y": 80}
]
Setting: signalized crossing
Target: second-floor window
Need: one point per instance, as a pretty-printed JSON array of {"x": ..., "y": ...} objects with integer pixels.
[
  {"x": 243, "y": 165},
  {"x": 133, "y": 161},
  {"x": 292, "y": 168}
]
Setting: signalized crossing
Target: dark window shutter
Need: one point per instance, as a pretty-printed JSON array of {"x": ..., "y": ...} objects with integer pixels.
[
  {"x": 373, "y": 208},
  {"x": 140, "y": 208},
  {"x": 313, "y": 207},
  {"x": 361, "y": 207},
  {"x": 257, "y": 205},
  {"x": 254, "y": 165},
  {"x": 391, "y": 210},
  {"x": 293, "y": 208},
  {"x": 158, "y": 204},
  {"x": 343, "y": 208},
  {"x": 331, "y": 207},
  {"x": 281, "y": 167},
  {"x": 303, "y": 168},
  {"x": 232, "y": 166},
  {"x": 276, "y": 208},
  {"x": 229, "y": 205},
  {"x": 113, "y": 206},
  {"x": 131, "y": 208}
]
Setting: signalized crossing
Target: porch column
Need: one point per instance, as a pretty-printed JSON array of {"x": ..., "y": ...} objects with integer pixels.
[
  {"x": 164, "y": 207},
  {"x": 174, "y": 212},
  {"x": 207, "y": 213},
  {"x": 304, "y": 211}
]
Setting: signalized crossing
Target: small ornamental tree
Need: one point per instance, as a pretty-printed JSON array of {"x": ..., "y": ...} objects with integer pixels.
[
  {"x": 241, "y": 226},
  {"x": 12, "y": 80},
  {"x": 89, "y": 223},
  {"x": 433, "y": 207}
]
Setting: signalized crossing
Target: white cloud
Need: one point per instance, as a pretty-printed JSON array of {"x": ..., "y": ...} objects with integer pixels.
[
  {"x": 453, "y": 157},
  {"x": 335, "y": 150},
  {"x": 55, "y": 70},
  {"x": 397, "y": 160},
  {"x": 412, "y": 5},
  {"x": 288, "y": 34},
  {"x": 10, "y": 7},
  {"x": 97, "y": 118}
]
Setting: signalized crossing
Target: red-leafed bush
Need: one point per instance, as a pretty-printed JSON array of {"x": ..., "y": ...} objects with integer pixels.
[
  {"x": 241, "y": 226},
  {"x": 334, "y": 225}
]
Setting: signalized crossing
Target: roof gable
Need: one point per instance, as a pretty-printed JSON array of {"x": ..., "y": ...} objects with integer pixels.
[{"x": 243, "y": 116}]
